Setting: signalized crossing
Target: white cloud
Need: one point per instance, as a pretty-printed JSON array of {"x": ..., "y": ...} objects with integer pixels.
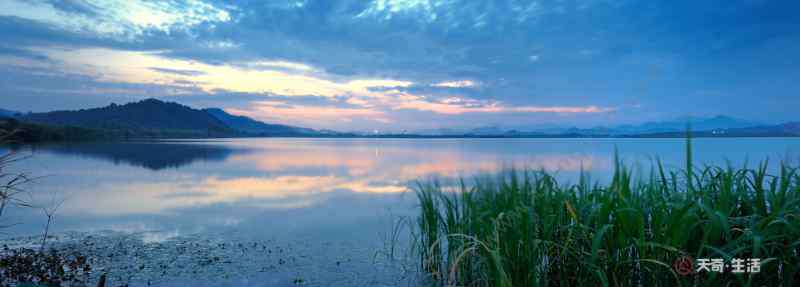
[
  {"x": 456, "y": 84},
  {"x": 274, "y": 77},
  {"x": 118, "y": 18},
  {"x": 387, "y": 8},
  {"x": 367, "y": 99}
]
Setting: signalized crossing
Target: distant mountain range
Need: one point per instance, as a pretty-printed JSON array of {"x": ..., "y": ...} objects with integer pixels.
[
  {"x": 147, "y": 154},
  {"x": 153, "y": 118},
  {"x": 791, "y": 129},
  {"x": 717, "y": 123},
  {"x": 254, "y": 127},
  {"x": 679, "y": 125},
  {"x": 7, "y": 113}
]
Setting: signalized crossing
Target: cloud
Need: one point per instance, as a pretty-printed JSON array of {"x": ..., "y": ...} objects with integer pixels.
[
  {"x": 278, "y": 65},
  {"x": 144, "y": 67},
  {"x": 316, "y": 116},
  {"x": 584, "y": 109},
  {"x": 42, "y": 88},
  {"x": 178, "y": 72},
  {"x": 456, "y": 84},
  {"x": 291, "y": 94},
  {"x": 457, "y": 106},
  {"x": 116, "y": 18},
  {"x": 21, "y": 53},
  {"x": 417, "y": 60}
]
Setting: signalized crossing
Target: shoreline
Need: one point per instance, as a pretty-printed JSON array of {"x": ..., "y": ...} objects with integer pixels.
[{"x": 144, "y": 259}]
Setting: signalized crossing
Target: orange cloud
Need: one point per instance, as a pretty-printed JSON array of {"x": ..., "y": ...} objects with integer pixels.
[
  {"x": 288, "y": 79},
  {"x": 287, "y": 113},
  {"x": 266, "y": 76}
]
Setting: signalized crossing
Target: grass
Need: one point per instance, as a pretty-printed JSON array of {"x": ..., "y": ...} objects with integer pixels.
[{"x": 523, "y": 228}]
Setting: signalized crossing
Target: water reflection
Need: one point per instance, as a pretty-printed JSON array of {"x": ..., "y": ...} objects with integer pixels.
[
  {"x": 150, "y": 155},
  {"x": 329, "y": 187}
]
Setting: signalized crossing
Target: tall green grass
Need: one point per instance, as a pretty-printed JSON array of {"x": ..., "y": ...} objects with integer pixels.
[{"x": 523, "y": 228}]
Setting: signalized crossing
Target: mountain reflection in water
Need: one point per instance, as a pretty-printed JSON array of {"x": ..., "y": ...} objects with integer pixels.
[
  {"x": 154, "y": 155},
  {"x": 328, "y": 187}
]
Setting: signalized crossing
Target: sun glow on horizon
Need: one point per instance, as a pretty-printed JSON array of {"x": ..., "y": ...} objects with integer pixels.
[{"x": 348, "y": 98}]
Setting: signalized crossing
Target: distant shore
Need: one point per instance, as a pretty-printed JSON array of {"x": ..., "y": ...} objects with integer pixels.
[{"x": 25, "y": 132}]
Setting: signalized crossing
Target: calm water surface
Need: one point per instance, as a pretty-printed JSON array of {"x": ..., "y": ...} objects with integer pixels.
[
  {"x": 316, "y": 209},
  {"x": 330, "y": 188}
]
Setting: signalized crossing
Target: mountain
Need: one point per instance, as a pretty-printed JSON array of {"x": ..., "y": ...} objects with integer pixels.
[
  {"x": 495, "y": 129},
  {"x": 697, "y": 124},
  {"x": 148, "y": 118},
  {"x": 153, "y": 118},
  {"x": 254, "y": 127},
  {"x": 488, "y": 130},
  {"x": 716, "y": 126},
  {"x": 7, "y": 113},
  {"x": 673, "y": 126},
  {"x": 15, "y": 131},
  {"x": 147, "y": 154},
  {"x": 791, "y": 129},
  {"x": 441, "y": 132},
  {"x": 678, "y": 125}
]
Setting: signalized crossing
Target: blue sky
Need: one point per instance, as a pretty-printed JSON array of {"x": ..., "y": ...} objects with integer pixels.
[{"x": 409, "y": 64}]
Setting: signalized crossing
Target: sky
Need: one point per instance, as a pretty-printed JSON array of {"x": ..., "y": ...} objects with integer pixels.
[{"x": 394, "y": 65}]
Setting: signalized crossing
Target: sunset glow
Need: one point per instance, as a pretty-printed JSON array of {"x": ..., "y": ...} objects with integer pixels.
[{"x": 393, "y": 65}]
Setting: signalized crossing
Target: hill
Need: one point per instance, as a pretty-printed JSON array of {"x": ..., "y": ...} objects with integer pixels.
[
  {"x": 147, "y": 154},
  {"x": 7, "y": 113},
  {"x": 669, "y": 126},
  {"x": 153, "y": 118},
  {"x": 150, "y": 118},
  {"x": 791, "y": 129},
  {"x": 699, "y": 124},
  {"x": 254, "y": 127},
  {"x": 14, "y": 131},
  {"x": 146, "y": 118}
]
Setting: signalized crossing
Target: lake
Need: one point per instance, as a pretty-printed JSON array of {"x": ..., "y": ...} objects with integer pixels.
[{"x": 333, "y": 201}]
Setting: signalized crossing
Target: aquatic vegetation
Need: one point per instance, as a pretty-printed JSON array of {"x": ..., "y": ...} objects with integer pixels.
[
  {"x": 10, "y": 182},
  {"x": 523, "y": 228}
]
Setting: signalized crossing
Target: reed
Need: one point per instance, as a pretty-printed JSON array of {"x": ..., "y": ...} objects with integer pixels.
[{"x": 523, "y": 228}]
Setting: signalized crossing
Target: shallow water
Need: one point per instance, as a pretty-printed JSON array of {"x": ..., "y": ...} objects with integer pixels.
[{"x": 312, "y": 191}]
